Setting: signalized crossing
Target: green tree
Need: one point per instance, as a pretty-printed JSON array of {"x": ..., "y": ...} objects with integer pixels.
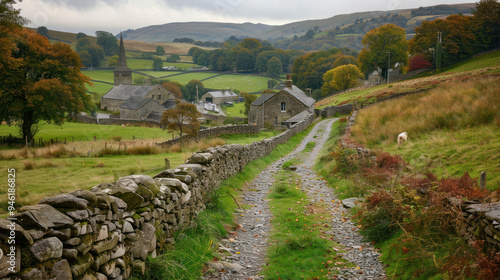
[
  {"x": 160, "y": 50},
  {"x": 250, "y": 43},
  {"x": 202, "y": 60},
  {"x": 487, "y": 22},
  {"x": 341, "y": 78},
  {"x": 378, "y": 43},
  {"x": 40, "y": 81},
  {"x": 85, "y": 58},
  {"x": 244, "y": 60},
  {"x": 157, "y": 64},
  {"x": 96, "y": 54},
  {"x": 113, "y": 60},
  {"x": 274, "y": 67},
  {"x": 42, "y": 30},
  {"x": 191, "y": 86},
  {"x": 80, "y": 35},
  {"x": 249, "y": 98},
  {"x": 173, "y": 58},
  {"x": 108, "y": 42},
  {"x": 82, "y": 44},
  {"x": 182, "y": 119}
]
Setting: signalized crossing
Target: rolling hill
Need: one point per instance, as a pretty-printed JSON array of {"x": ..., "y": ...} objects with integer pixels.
[
  {"x": 199, "y": 31},
  {"x": 213, "y": 31}
]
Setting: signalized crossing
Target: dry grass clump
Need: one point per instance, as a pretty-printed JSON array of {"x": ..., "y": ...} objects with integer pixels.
[
  {"x": 29, "y": 164},
  {"x": 57, "y": 151},
  {"x": 450, "y": 106}
]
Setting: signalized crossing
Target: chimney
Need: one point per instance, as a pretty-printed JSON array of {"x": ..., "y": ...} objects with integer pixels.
[
  {"x": 288, "y": 82},
  {"x": 308, "y": 92}
]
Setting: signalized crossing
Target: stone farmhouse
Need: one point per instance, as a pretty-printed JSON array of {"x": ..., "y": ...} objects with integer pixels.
[
  {"x": 219, "y": 97},
  {"x": 281, "y": 109},
  {"x": 135, "y": 101}
]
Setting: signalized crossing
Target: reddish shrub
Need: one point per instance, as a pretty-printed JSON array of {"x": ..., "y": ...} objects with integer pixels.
[
  {"x": 464, "y": 186},
  {"x": 388, "y": 161},
  {"x": 378, "y": 197},
  {"x": 418, "y": 62},
  {"x": 415, "y": 183}
]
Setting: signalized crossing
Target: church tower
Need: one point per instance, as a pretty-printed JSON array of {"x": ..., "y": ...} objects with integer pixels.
[{"x": 123, "y": 74}]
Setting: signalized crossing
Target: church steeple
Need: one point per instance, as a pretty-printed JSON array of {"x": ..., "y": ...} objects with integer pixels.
[{"x": 123, "y": 74}]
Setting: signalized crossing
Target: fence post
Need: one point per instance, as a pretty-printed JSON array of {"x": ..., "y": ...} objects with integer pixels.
[
  {"x": 95, "y": 138},
  {"x": 167, "y": 164},
  {"x": 482, "y": 182}
]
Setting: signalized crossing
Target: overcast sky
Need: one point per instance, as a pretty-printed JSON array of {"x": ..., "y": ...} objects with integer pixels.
[{"x": 114, "y": 16}]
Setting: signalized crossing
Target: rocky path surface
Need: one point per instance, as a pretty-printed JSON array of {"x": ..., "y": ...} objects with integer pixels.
[{"x": 247, "y": 248}]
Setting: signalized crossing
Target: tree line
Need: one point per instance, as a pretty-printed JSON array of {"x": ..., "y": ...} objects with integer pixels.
[{"x": 249, "y": 55}]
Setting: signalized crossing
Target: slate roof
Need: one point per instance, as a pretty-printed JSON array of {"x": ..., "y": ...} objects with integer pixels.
[
  {"x": 154, "y": 116},
  {"x": 124, "y": 92},
  {"x": 226, "y": 93},
  {"x": 263, "y": 98},
  {"x": 300, "y": 95},
  {"x": 298, "y": 118},
  {"x": 169, "y": 104},
  {"x": 136, "y": 102}
]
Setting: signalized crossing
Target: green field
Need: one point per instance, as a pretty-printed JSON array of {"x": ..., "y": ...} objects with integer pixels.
[
  {"x": 100, "y": 88},
  {"x": 236, "y": 111},
  {"x": 185, "y": 78},
  {"x": 86, "y": 132},
  {"x": 100, "y": 75},
  {"x": 140, "y": 63},
  {"x": 244, "y": 83},
  {"x": 159, "y": 74},
  {"x": 61, "y": 175}
]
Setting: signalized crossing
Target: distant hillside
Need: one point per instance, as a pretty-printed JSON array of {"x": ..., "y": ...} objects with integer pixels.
[
  {"x": 213, "y": 31},
  {"x": 301, "y": 27},
  {"x": 199, "y": 31},
  {"x": 139, "y": 46}
]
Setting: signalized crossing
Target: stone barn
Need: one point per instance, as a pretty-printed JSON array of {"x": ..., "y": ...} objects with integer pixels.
[
  {"x": 219, "y": 97},
  {"x": 275, "y": 109}
]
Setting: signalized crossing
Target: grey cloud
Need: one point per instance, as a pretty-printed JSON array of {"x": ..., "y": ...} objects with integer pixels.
[{"x": 79, "y": 4}]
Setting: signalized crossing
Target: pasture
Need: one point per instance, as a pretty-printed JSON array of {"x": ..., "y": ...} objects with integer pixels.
[{"x": 245, "y": 83}]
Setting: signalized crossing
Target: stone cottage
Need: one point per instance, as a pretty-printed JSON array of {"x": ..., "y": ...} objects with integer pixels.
[
  {"x": 275, "y": 109},
  {"x": 134, "y": 101},
  {"x": 219, "y": 97}
]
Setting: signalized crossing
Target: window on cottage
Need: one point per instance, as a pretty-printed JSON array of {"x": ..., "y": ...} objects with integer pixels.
[
  {"x": 275, "y": 120},
  {"x": 159, "y": 96},
  {"x": 153, "y": 96},
  {"x": 283, "y": 107}
]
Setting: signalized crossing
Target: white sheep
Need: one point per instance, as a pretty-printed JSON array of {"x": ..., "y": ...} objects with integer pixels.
[{"x": 402, "y": 137}]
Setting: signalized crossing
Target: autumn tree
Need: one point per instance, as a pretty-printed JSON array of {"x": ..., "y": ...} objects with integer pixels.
[
  {"x": 183, "y": 119},
  {"x": 173, "y": 88},
  {"x": 341, "y": 78},
  {"x": 40, "y": 81},
  {"x": 458, "y": 38},
  {"x": 378, "y": 43}
]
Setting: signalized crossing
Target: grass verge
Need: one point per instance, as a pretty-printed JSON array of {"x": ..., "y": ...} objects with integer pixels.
[{"x": 298, "y": 248}]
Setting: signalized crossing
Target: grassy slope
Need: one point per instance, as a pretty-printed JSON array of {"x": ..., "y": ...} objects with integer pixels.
[
  {"x": 480, "y": 64},
  {"x": 236, "y": 111}
]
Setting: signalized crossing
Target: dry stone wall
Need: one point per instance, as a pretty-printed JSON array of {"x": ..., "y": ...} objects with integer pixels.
[
  {"x": 108, "y": 232},
  {"x": 216, "y": 131}
]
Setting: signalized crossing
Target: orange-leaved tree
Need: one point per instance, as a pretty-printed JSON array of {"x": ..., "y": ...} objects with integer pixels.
[
  {"x": 183, "y": 119},
  {"x": 40, "y": 81}
]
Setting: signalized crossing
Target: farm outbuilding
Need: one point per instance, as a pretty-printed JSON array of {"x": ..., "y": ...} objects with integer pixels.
[{"x": 219, "y": 97}]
